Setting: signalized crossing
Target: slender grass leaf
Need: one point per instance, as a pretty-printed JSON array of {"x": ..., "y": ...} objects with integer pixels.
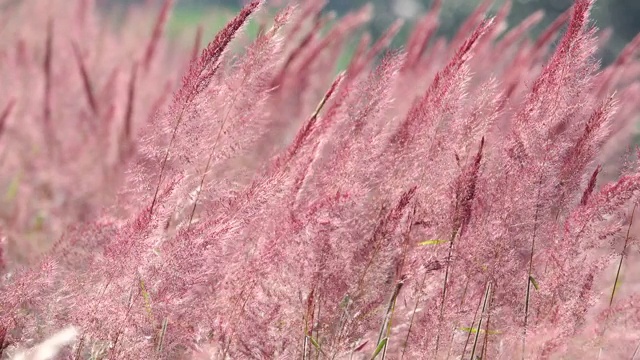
[
  {"x": 472, "y": 330},
  {"x": 315, "y": 343},
  {"x": 534, "y": 282},
  {"x": 381, "y": 346},
  {"x": 433, "y": 242}
]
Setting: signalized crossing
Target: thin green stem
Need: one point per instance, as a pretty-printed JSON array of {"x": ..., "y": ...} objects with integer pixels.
[
  {"x": 413, "y": 314},
  {"x": 165, "y": 159},
  {"x": 444, "y": 286},
  {"x": 533, "y": 245},
  {"x": 484, "y": 309},
  {"x": 386, "y": 321},
  {"x": 473, "y": 323},
  {"x": 211, "y": 153},
  {"x": 485, "y": 346},
  {"x": 624, "y": 251}
]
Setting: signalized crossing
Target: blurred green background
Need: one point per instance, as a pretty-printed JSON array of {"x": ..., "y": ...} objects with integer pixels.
[{"x": 623, "y": 16}]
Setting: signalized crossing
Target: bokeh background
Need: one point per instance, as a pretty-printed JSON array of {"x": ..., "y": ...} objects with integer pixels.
[{"x": 620, "y": 16}]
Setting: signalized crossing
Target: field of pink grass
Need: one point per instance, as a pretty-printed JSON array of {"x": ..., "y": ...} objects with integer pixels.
[{"x": 235, "y": 198}]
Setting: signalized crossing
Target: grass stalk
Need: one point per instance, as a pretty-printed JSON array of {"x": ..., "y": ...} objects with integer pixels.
[
  {"x": 166, "y": 158},
  {"x": 385, "y": 329},
  {"x": 530, "y": 271},
  {"x": 635, "y": 352},
  {"x": 624, "y": 251},
  {"x": 444, "y": 286},
  {"x": 485, "y": 345},
  {"x": 161, "y": 335},
  {"x": 617, "y": 279},
  {"x": 213, "y": 148},
  {"x": 473, "y": 323},
  {"x": 484, "y": 311},
  {"x": 413, "y": 314}
]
